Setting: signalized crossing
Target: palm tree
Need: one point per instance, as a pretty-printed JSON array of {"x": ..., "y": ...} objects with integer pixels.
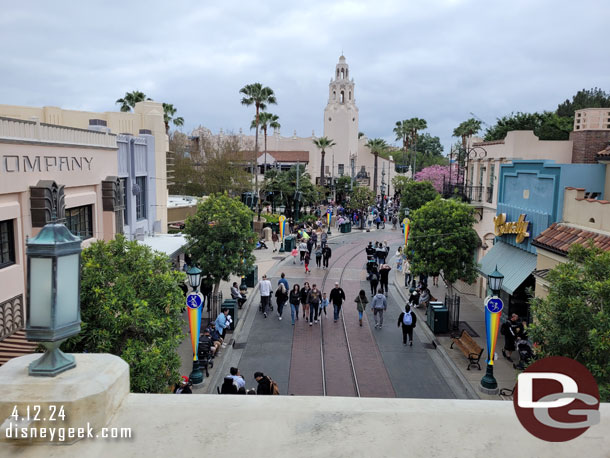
[
  {"x": 260, "y": 96},
  {"x": 414, "y": 125},
  {"x": 376, "y": 145},
  {"x": 266, "y": 120},
  {"x": 466, "y": 129},
  {"x": 168, "y": 116},
  {"x": 402, "y": 133},
  {"x": 323, "y": 143},
  {"x": 130, "y": 99}
]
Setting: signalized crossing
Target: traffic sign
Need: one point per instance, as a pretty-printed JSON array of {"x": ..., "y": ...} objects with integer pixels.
[
  {"x": 494, "y": 304},
  {"x": 194, "y": 300}
]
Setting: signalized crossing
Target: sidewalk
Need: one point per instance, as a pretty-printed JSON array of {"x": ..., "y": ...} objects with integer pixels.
[{"x": 471, "y": 311}]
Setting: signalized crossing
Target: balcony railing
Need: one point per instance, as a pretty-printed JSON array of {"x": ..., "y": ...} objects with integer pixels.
[{"x": 467, "y": 193}]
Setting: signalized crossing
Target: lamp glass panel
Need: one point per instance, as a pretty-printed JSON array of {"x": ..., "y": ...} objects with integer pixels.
[
  {"x": 41, "y": 292},
  {"x": 67, "y": 290}
]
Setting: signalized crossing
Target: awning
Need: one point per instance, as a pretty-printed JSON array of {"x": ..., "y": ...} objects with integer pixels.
[
  {"x": 515, "y": 264},
  {"x": 170, "y": 244}
]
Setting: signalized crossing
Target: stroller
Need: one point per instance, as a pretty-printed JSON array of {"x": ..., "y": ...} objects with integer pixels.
[
  {"x": 526, "y": 354},
  {"x": 261, "y": 245}
]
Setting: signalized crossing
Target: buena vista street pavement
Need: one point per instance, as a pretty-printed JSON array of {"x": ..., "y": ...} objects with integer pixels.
[{"x": 296, "y": 357}]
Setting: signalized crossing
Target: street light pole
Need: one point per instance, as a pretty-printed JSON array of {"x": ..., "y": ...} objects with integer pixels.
[{"x": 493, "y": 312}]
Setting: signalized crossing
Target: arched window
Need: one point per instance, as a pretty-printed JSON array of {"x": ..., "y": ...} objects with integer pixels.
[
  {"x": 334, "y": 95},
  {"x": 342, "y": 74},
  {"x": 350, "y": 95},
  {"x": 342, "y": 97},
  {"x": 337, "y": 73}
]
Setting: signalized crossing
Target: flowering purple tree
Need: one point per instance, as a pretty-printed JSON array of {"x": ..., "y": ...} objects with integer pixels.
[{"x": 436, "y": 174}]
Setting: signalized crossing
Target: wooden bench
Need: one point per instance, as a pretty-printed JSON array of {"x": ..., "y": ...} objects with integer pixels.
[{"x": 470, "y": 348}]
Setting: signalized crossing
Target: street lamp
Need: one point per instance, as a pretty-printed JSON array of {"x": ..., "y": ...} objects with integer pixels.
[
  {"x": 194, "y": 303},
  {"x": 53, "y": 293},
  {"x": 493, "y": 312}
]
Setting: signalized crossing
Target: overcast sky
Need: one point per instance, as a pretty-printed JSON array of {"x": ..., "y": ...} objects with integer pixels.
[{"x": 435, "y": 59}]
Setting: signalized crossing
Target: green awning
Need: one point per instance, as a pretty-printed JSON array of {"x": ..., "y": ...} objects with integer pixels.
[{"x": 515, "y": 264}]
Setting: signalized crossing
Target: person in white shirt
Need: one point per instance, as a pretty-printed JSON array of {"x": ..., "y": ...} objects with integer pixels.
[
  {"x": 265, "y": 290},
  {"x": 237, "y": 378}
]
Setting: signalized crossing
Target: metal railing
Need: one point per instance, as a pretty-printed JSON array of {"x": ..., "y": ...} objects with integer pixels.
[{"x": 11, "y": 316}]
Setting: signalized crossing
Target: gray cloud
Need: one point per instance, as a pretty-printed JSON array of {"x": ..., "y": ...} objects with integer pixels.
[{"x": 437, "y": 60}]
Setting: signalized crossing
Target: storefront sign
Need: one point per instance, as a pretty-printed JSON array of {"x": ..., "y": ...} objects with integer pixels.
[
  {"x": 27, "y": 163},
  {"x": 518, "y": 227}
]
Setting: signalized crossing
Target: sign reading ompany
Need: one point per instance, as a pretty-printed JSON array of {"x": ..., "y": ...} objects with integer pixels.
[
  {"x": 12, "y": 163},
  {"x": 518, "y": 227}
]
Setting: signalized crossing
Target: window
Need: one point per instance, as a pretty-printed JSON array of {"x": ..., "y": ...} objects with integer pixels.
[
  {"x": 125, "y": 200},
  {"x": 7, "y": 243},
  {"x": 341, "y": 169},
  {"x": 80, "y": 221},
  {"x": 141, "y": 198},
  {"x": 342, "y": 98}
]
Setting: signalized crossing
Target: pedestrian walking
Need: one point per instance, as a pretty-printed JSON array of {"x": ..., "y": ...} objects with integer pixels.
[
  {"x": 435, "y": 279},
  {"x": 398, "y": 256},
  {"x": 275, "y": 239},
  {"x": 384, "y": 274},
  {"x": 304, "y": 293},
  {"x": 313, "y": 299},
  {"x": 265, "y": 289},
  {"x": 379, "y": 305},
  {"x": 294, "y": 254},
  {"x": 306, "y": 259},
  {"x": 295, "y": 299},
  {"x": 510, "y": 330},
  {"x": 407, "y": 319},
  {"x": 323, "y": 305},
  {"x": 309, "y": 246},
  {"x": 374, "y": 281},
  {"x": 302, "y": 249},
  {"x": 337, "y": 296},
  {"x": 318, "y": 253},
  {"x": 407, "y": 269},
  {"x": 379, "y": 253},
  {"x": 281, "y": 296},
  {"x": 326, "y": 254},
  {"x": 283, "y": 281},
  {"x": 314, "y": 238},
  {"x": 361, "y": 302},
  {"x": 323, "y": 239}
]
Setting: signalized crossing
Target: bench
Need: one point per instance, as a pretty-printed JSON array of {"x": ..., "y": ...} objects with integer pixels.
[{"x": 469, "y": 347}]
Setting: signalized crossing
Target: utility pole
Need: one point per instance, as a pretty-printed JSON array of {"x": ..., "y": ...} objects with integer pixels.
[{"x": 296, "y": 195}]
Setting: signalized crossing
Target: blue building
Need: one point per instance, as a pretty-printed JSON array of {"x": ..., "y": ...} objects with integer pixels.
[{"x": 530, "y": 199}]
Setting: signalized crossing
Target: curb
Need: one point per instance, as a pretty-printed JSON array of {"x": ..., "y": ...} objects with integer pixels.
[{"x": 470, "y": 391}]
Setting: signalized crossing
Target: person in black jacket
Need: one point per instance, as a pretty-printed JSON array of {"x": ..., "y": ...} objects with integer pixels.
[
  {"x": 326, "y": 254},
  {"x": 264, "y": 383},
  {"x": 407, "y": 319},
  {"x": 337, "y": 296}
]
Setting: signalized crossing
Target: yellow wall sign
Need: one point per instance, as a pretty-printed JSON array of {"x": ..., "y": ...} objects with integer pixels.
[{"x": 518, "y": 227}]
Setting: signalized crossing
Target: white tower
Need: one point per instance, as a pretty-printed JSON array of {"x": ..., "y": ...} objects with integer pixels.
[{"x": 341, "y": 120}]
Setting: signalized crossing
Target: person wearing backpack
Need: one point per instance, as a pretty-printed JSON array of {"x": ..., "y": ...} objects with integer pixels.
[
  {"x": 407, "y": 319},
  {"x": 265, "y": 384}
]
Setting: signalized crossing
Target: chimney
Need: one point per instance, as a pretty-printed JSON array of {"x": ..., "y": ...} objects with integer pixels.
[{"x": 591, "y": 134}]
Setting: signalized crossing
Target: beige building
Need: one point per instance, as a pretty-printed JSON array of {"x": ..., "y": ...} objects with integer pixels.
[
  {"x": 146, "y": 119},
  {"x": 482, "y": 181},
  {"x": 39, "y": 161},
  {"x": 349, "y": 157}
]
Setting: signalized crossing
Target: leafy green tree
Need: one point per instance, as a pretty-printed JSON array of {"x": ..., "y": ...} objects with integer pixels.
[
  {"x": 429, "y": 145},
  {"x": 466, "y": 129},
  {"x": 129, "y": 100},
  {"x": 442, "y": 241},
  {"x": 592, "y": 98},
  {"x": 377, "y": 146},
  {"x": 169, "y": 112},
  {"x": 399, "y": 182},
  {"x": 322, "y": 144},
  {"x": 283, "y": 186},
  {"x": 260, "y": 96},
  {"x": 221, "y": 238},
  {"x": 131, "y": 307},
  {"x": 361, "y": 199},
  {"x": 344, "y": 187},
  {"x": 574, "y": 319},
  {"x": 414, "y": 194},
  {"x": 546, "y": 126},
  {"x": 266, "y": 120}
]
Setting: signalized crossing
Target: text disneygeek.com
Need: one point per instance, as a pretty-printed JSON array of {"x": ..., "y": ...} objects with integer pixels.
[{"x": 62, "y": 434}]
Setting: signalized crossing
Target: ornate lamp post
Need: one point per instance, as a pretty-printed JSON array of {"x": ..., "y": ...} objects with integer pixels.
[
  {"x": 194, "y": 303},
  {"x": 53, "y": 292},
  {"x": 493, "y": 312}
]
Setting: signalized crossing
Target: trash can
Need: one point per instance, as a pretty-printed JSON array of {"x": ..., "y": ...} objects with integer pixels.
[
  {"x": 252, "y": 277},
  {"x": 343, "y": 228},
  {"x": 349, "y": 226},
  {"x": 289, "y": 243},
  {"x": 438, "y": 318},
  {"x": 231, "y": 304}
]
